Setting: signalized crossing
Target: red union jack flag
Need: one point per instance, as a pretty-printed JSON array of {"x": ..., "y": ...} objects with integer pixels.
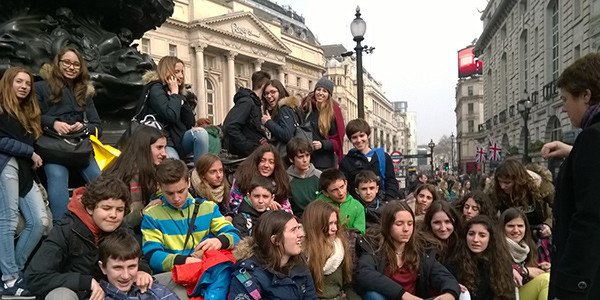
[
  {"x": 480, "y": 154},
  {"x": 494, "y": 151}
]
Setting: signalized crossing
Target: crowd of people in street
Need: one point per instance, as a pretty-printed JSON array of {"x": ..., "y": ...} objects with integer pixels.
[{"x": 299, "y": 219}]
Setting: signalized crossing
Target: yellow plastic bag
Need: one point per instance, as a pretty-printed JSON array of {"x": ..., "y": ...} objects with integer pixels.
[{"x": 105, "y": 155}]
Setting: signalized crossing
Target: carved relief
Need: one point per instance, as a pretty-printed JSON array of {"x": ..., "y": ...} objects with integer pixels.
[{"x": 244, "y": 31}]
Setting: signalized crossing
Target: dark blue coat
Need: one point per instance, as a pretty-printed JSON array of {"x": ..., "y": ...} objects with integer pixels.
[
  {"x": 242, "y": 128},
  {"x": 355, "y": 161}
]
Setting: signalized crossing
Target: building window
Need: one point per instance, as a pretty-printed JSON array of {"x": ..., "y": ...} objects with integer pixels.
[
  {"x": 523, "y": 7},
  {"x": 172, "y": 50},
  {"x": 470, "y": 108},
  {"x": 577, "y": 52},
  {"x": 240, "y": 69},
  {"x": 146, "y": 46},
  {"x": 524, "y": 61},
  {"x": 310, "y": 85},
  {"x": 210, "y": 62},
  {"x": 285, "y": 79},
  {"x": 470, "y": 90},
  {"x": 298, "y": 82},
  {"x": 553, "y": 39},
  {"x": 210, "y": 100},
  {"x": 576, "y": 9},
  {"x": 471, "y": 126}
]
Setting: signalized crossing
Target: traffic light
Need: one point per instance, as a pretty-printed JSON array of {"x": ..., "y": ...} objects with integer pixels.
[{"x": 446, "y": 166}]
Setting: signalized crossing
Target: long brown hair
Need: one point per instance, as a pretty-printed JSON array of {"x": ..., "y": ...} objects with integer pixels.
[
  {"x": 495, "y": 255},
  {"x": 325, "y": 110},
  {"x": 318, "y": 246},
  {"x": 444, "y": 248},
  {"x": 57, "y": 81},
  {"x": 203, "y": 164},
  {"x": 272, "y": 223},
  {"x": 26, "y": 111},
  {"x": 166, "y": 69},
  {"x": 283, "y": 93},
  {"x": 412, "y": 250},
  {"x": 249, "y": 168},
  {"x": 514, "y": 213},
  {"x": 524, "y": 191}
]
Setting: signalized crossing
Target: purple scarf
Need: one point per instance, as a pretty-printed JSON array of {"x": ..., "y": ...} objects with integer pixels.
[{"x": 590, "y": 114}]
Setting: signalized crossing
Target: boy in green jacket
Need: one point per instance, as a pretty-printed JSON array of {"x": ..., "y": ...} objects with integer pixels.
[{"x": 333, "y": 190}]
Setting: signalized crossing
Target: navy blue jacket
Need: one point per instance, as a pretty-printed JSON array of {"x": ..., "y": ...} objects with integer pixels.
[{"x": 242, "y": 128}]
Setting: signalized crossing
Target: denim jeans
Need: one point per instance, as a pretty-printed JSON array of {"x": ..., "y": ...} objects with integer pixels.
[
  {"x": 33, "y": 208},
  {"x": 194, "y": 141},
  {"x": 58, "y": 185},
  {"x": 372, "y": 295}
]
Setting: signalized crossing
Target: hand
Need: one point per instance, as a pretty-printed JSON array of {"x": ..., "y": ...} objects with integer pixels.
[
  {"x": 517, "y": 278},
  {"x": 556, "y": 149},
  {"x": 535, "y": 272},
  {"x": 229, "y": 218},
  {"x": 409, "y": 296},
  {"x": 76, "y": 127},
  {"x": 37, "y": 161},
  {"x": 317, "y": 145},
  {"x": 263, "y": 141},
  {"x": 545, "y": 266},
  {"x": 144, "y": 281},
  {"x": 173, "y": 85},
  {"x": 545, "y": 231},
  {"x": 190, "y": 260},
  {"x": 266, "y": 117},
  {"x": 97, "y": 292},
  {"x": 462, "y": 288},
  {"x": 61, "y": 127},
  {"x": 445, "y": 296},
  {"x": 209, "y": 244},
  {"x": 275, "y": 205}
]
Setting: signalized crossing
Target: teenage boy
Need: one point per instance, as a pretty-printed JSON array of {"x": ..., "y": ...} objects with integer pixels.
[
  {"x": 333, "y": 190},
  {"x": 119, "y": 261},
  {"x": 66, "y": 264},
  {"x": 242, "y": 129},
  {"x": 182, "y": 225},
  {"x": 367, "y": 188},
  {"x": 304, "y": 177},
  {"x": 255, "y": 204},
  {"x": 362, "y": 157}
]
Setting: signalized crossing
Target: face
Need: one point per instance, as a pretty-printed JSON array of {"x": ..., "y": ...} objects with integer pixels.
[
  {"x": 441, "y": 225},
  {"x": 108, "y": 214},
  {"x": 214, "y": 175},
  {"x": 337, "y": 191},
  {"x": 272, "y": 95},
  {"x": 423, "y": 178},
  {"x": 367, "y": 190},
  {"x": 360, "y": 141},
  {"x": 575, "y": 106},
  {"x": 470, "y": 209},
  {"x": 301, "y": 161},
  {"x": 176, "y": 193},
  {"x": 424, "y": 199},
  {"x": 478, "y": 238},
  {"x": 22, "y": 85},
  {"x": 321, "y": 95},
  {"x": 179, "y": 73},
  {"x": 158, "y": 150},
  {"x": 121, "y": 273},
  {"x": 266, "y": 166},
  {"x": 70, "y": 66},
  {"x": 515, "y": 229},
  {"x": 333, "y": 225},
  {"x": 292, "y": 239},
  {"x": 402, "y": 228},
  {"x": 468, "y": 185},
  {"x": 260, "y": 198},
  {"x": 506, "y": 185}
]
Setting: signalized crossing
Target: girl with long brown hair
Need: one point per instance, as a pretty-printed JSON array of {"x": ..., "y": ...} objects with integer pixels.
[
  {"x": 441, "y": 229},
  {"x": 393, "y": 266},
  {"x": 19, "y": 128},
  {"x": 208, "y": 181},
  {"x": 65, "y": 99},
  {"x": 326, "y": 247},
  {"x": 327, "y": 123},
  {"x": 266, "y": 161}
]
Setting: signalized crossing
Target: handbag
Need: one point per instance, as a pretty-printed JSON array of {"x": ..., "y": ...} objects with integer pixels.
[
  {"x": 71, "y": 150},
  {"x": 104, "y": 155},
  {"x": 135, "y": 124}
]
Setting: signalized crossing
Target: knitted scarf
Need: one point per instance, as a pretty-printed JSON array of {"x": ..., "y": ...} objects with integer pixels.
[
  {"x": 589, "y": 115},
  {"x": 518, "y": 251},
  {"x": 203, "y": 189},
  {"x": 336, "y": 259}
]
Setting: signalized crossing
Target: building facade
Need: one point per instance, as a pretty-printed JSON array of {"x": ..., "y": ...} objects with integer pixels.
[
  {"x": 469, "y": 114},
  {"x": 223, "y": 42},
  {"x": 524, "y": 47}
]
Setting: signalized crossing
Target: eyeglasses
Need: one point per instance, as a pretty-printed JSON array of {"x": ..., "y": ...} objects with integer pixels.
[
  {"x": 272, "y": 92},
  {"x": 67, "y": 64}
]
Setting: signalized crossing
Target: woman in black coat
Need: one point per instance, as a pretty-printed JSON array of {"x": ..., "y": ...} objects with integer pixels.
[{"x": 575, "y": 272}]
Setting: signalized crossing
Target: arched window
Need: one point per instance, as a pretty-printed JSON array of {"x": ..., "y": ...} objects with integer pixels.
[{"x": 210, "y": 100}]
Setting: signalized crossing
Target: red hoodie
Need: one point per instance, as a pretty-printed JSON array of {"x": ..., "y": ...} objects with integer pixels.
[{"x": 76, "y": 207}]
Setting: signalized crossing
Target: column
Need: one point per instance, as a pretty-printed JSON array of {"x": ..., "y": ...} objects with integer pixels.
[
  {"x": 258, "y": 64},
  {"x": 281, "y": 75},
  {"x": 230, "y": 78},
  {"x": 200, "y": 89}
]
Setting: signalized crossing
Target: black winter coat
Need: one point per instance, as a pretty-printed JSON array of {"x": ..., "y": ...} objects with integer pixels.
[
  {"x": 245, "y": 219},
  {"x": 67, "y": 258},
  {"x": 575, "y": 270},
  {"x": 370, "y": 276},
  {"x": 177, "y": 118},
  {"x": 283, "y": 125},
  {"x": 325, "y": 157},
  {"x": 242, "y": 128},
  {"x": 354, "y": 162}
]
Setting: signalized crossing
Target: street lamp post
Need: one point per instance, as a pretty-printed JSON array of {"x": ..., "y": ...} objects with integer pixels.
[
  {"x": 524, "y": 108},
  {"x": 358, "y": 27},
  {"x": 431, "y": 145},
  {"x": 459, "y": 167},
  {"x": 452, "y": 153}
]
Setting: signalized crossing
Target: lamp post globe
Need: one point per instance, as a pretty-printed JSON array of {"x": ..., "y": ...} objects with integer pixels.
[{"x": 358, "y": 27}]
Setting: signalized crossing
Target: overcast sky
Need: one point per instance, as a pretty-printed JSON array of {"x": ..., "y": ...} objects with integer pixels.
[{"x": 416, "y": 49}]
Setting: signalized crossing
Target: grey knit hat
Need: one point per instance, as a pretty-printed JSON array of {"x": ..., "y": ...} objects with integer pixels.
[{"x": 325, "y": 83}]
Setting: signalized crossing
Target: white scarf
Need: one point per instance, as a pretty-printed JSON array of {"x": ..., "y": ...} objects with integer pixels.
[
  {"x": 335, "y": 260},
  {"x": 518, "y": 251}
]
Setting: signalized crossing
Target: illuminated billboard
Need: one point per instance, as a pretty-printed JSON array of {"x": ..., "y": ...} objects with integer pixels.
[{"x": 467, "y": 65}]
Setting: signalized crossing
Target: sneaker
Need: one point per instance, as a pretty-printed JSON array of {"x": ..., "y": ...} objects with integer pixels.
[{"x": 17, "y": 291}]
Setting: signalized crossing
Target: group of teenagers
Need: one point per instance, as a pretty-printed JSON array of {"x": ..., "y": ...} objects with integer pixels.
[{"x": 304, "y": 221}]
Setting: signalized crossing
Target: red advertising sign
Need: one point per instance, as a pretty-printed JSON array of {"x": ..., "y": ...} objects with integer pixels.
[{"x": 467, "y": 65}]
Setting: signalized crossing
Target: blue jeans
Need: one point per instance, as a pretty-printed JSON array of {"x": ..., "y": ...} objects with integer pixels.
[
  {"x": 372, "y": 295},
  {"x": 33, "y": 208},
  {"x": 193, "y": 142},
  {"x": 58, "y": 185}
]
